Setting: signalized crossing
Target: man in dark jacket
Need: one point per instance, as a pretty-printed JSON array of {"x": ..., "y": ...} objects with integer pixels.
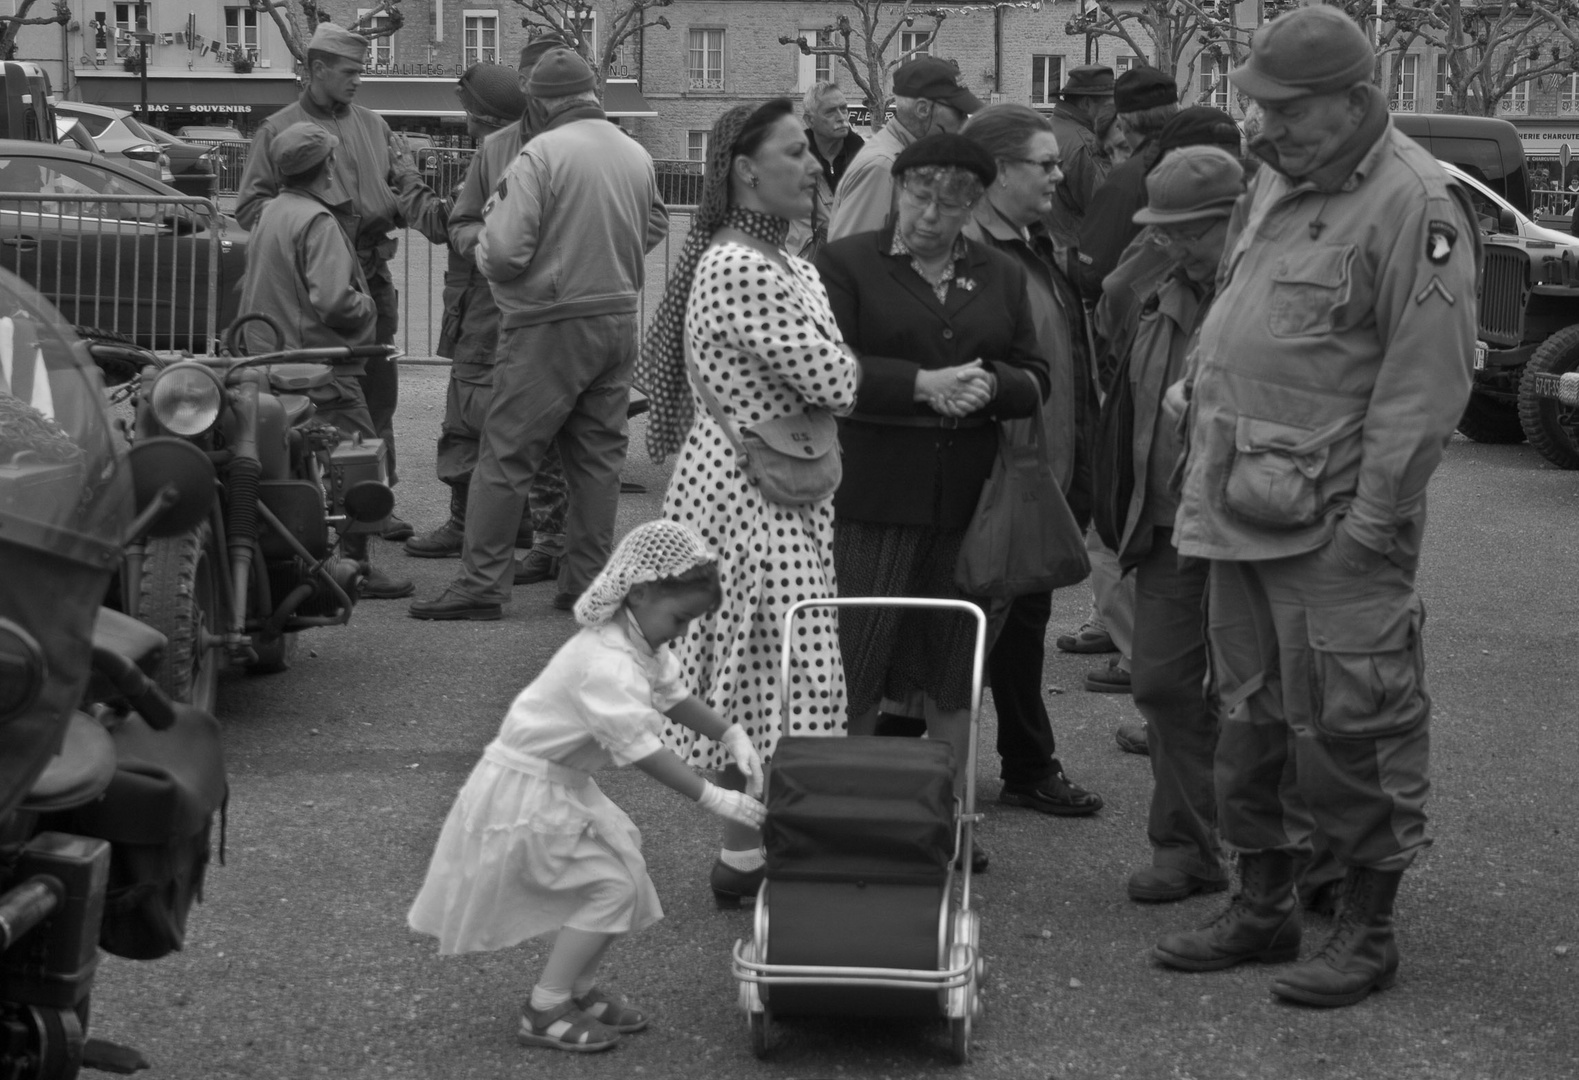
[
  {"x": 834, "y": 144},
  {"x": 1086, "y": 101}
]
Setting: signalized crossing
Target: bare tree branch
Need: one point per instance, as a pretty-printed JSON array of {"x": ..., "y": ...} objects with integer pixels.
[
  {"x": 862, "y": 48},
  {"x": 615, "y": 26}
]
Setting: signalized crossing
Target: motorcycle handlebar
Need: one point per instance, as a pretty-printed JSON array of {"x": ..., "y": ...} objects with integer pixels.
[{"x": 143, "y": 693}]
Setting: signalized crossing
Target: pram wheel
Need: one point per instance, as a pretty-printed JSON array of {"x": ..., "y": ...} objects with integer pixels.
[
  {"x": 959, "y": 1036},
  {"x": 761, "y": 1043}
]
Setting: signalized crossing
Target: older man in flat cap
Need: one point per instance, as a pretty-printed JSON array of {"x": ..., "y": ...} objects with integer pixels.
[
  {"x": 471, "y": 376},
  {"x": 1330, "y": 373},
  {"x": 929, "y": 97},
  {"x": 303, "y": 272},
  {"x": 381, "y": 184},
  {"x": 563, "y": 242},
  {"x": 1080, "y": 120}
]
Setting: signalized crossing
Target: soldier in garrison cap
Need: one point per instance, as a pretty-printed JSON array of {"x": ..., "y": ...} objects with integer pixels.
[
  {"x": 303, "y": 272},
  {"x": 373, "y": 172},
  {"x": 1330, "y": 373}
]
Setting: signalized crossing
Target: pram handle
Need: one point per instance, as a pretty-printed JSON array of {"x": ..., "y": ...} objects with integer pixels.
[{"x": 977, "y": 666}]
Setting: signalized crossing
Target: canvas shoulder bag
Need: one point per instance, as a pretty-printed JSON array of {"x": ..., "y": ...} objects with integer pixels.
[
  {"x": 1022, "y": 538},
  {"x": 793, "y": 460}
]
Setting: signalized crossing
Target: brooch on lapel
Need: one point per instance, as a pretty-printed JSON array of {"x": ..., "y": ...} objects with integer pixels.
[{"x": 965, "y": 283}]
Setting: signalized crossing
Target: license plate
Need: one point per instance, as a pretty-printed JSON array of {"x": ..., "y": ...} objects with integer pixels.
[{"x": 1480, "y": 357}]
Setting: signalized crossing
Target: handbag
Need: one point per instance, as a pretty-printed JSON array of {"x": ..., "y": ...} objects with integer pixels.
[
  {"x": 1022, "y": 538},
  {"x": 793, "y": 460}
]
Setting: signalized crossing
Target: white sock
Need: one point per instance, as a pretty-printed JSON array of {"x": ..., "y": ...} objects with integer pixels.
[
  {"x": 543, "y": 999},
  {"x": 744, "y": 861}
]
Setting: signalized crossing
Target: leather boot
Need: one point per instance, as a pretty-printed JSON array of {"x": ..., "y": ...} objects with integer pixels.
[
  {"x": 446, "y": 541},
  {"x": 1360, "y": 956},
  {"x": 1261, "y": 922},
  {"x": 376, "y": 585}
]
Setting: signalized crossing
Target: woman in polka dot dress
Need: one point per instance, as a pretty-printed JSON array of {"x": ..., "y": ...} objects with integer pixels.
[{"x": 765, "y": 343}]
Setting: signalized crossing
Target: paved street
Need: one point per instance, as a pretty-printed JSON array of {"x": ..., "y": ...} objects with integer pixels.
[{"x": 299, "y": 963}]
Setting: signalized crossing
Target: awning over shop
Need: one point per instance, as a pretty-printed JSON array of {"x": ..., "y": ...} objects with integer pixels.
[
  {"x": 410, "y": 97},
  {"x": 621, "y": 97},
  {"x": 238, "y": 94}
]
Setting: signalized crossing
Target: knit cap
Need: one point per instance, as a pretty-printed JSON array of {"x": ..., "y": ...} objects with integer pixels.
[
  {"x": 492, "y": 94},
  {"x": 1192, "y": 183},
  {"x": 560, "y": 74},
  {"x": 653, "y": 551}
]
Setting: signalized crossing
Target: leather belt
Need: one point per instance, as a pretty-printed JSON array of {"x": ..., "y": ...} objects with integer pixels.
[{"x": 948, "y": 423}]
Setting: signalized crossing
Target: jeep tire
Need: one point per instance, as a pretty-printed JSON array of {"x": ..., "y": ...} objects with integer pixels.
[
  {"x": 1490, "y": 420},
  {"x": 1551, "y": 426}
]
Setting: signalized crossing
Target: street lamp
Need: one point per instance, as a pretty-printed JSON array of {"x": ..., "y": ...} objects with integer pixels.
[{"x": 144, "y": 38}]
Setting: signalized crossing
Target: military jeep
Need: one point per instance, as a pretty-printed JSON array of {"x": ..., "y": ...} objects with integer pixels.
[{"x": 1528, "y": 331}]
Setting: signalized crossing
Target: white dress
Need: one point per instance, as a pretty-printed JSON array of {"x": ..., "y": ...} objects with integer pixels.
[
  {"x": 767, "y": 345},
  {"x": 531, "y": 844}
]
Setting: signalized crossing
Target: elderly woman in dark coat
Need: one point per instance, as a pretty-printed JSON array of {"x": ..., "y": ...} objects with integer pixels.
[{"x": 948, "y": 348}]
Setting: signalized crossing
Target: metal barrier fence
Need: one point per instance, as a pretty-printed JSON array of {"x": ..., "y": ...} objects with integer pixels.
[
  {"x": 418, "y": 272},
  {"x": 1553, "y": 202},
  {"x": 679, "y": 182},
  {"x": 151, "y": 268},
  {"x": 230, "y": 159}
]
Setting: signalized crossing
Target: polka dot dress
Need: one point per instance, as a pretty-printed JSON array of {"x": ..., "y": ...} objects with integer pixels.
[{"x": 767, "y": 344}]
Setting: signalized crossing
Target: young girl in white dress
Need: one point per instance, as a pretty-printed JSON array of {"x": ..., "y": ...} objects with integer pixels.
[{"x": 531, "y": 845}]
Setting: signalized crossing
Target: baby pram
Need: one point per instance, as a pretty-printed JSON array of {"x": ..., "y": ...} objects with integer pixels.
[{"x": 865, "y": 906}]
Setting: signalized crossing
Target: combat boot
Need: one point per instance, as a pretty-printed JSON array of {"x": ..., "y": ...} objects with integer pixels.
[
  {"x": 1261, "y": 922},
  {"x": 1360, "y": 956},
  {"x": 448, "y": 539},
  {"x": 376, "y": 585}
]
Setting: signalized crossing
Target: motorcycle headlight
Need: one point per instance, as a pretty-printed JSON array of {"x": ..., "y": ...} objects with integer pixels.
[{"x": 186, "y": 398}]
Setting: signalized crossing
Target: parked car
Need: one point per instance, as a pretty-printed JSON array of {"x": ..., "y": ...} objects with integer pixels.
[
  {"x": 210, "y": 133},
  {"x": 70, "y": 132},
  {"x": 140, "y": 269},
  {"x": 1485, "y": 147},
  {"x": 187, "y": 167},
  {"x": 1528, "y": 328}
]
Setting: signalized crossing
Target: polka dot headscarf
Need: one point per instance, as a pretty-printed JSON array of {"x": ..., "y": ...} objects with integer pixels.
[
  {"x": 660, "y": 371},
  {"x": 654, "y": 551}
]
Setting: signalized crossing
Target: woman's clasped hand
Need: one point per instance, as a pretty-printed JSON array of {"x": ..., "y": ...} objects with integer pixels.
[{"x": 956, "y": 391}]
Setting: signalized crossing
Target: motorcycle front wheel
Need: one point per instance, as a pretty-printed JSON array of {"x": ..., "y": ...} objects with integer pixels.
[{"x": 181, "y": 599}]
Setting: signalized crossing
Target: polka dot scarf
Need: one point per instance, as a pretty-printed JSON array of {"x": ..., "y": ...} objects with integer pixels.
[{"x": 660, "y": 372}]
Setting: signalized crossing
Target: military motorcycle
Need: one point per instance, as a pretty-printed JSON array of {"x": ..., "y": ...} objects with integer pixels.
[
  {"x": 262, "y": 565},
  {"x": 105, "y": 785}
]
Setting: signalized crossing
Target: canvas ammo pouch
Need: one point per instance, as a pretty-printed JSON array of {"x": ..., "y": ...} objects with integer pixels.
[
  {"x": 1274, "y": 478},
  {"x": 793, "y": 460}
]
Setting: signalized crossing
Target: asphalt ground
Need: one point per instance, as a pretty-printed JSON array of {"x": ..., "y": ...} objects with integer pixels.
[{"x": 299, "y": 962}]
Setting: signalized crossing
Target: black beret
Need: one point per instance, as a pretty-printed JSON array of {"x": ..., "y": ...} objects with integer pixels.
[
  {"x": 1142, "y": 88},
  {"x": 1199, "y": 126},
  {"x": 947, "y": 149}
]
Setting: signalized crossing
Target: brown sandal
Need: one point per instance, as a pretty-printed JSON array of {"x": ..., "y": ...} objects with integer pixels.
[
  {"x": 580, "y": 1033},
  {"x": 613, "y": 1010}
]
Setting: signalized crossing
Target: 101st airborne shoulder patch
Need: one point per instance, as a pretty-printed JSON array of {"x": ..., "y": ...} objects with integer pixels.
[{"x": 1439, "y": 240}]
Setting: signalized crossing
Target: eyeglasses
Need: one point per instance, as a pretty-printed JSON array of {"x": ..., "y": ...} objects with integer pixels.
[
  {"x": 1047, "y": 165},
  {"x": 1173, "y": 236},
  {"x": 924, "y": 197}
]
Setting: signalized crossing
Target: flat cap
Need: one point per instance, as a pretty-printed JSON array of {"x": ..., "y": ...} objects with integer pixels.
[
  {"x": 492, "y": 93},
  {"x": 1090, "y": 80},
  {"x": 560, "y": 73},
  {"x": 947, "y": 149},
  {"x": 541, "y": 46},
  {"x": 1200, "y": 126},
  {"x": 934, "y": 79},
  {"x": 300, "y": 147},
  {"x": 1192, "y": 183},
  {"x": 338, "y": 41},
  {"x": 1310, "y": 50},
  {"x": 1143, "y": 88}
]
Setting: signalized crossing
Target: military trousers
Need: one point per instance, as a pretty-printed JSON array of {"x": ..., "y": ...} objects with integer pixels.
[
  {"x": 1168, "y": 679},
  {"x": 1318, "y": 670},
  {"x": 381, "y": 381},
  {"x": 563, "y": 383},
  {"x": 465, "y": 410}
]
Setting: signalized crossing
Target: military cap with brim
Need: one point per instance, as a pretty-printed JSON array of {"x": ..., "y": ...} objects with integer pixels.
[
  {"x": 934, "y": 79},
  {"x": 338, "y": 41},
  {"x": 947, "y": 149},
  {"x": 1192, "y": 183},
  {"x": 300, "y": 147},
  {"x": 1090, "y": 80},
  {"x": 1310, "y": 50}
]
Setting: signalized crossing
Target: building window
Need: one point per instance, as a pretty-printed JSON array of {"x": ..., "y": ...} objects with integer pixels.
[
  {"x": 1047, "y": 76},
  {"x": 587, "y": 25},
  {"x": 480, "y": 40},
  {"x": 382, "y": 54},
  {"x": 1408, "y": 83},
  {"x": 1442, "y": 91},
  {"x": 1517, "y": 101},
  {"x": 125, "y": 23},
  {"x": 696, "y": 145},
  {"x": 705, "y": 60},
  {"x": 1213, "y": 82},
  {"x": 817, "y": 67},
  {"x": 1122, "y": 64},
  {"x": 915, "y": 43},
  {"x": 241, "y": 33},
  {"x": 1568, "y": 100}
]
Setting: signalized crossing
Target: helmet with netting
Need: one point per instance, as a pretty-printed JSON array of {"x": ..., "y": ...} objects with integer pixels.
[{"x": 653, "y": 551}]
